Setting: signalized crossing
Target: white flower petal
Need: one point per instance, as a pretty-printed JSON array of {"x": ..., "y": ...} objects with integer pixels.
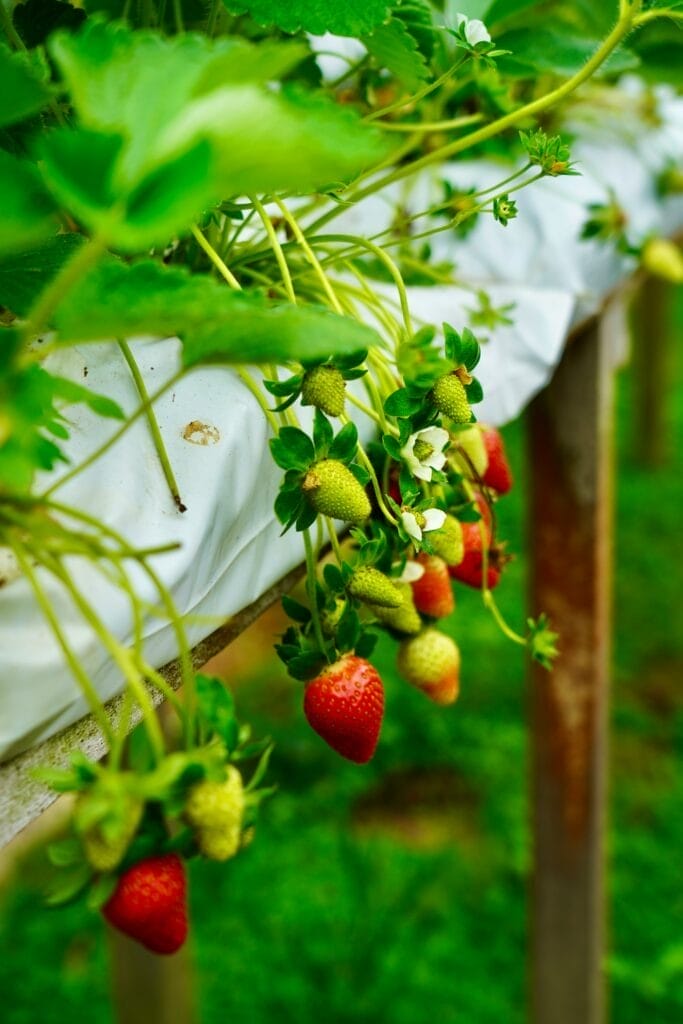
[
  {"x": 434, "y": 519},
  {"x": 476, "y": 32},
  {"x": 412, "y": 571},
  {"x": 436, "y": 436},
  {"x": 422, "y": 470},
  {"x": 410, "y": 525},
  {"x": 436, "y": 461}
]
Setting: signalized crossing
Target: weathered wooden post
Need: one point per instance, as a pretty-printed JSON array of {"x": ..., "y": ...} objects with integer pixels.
[{"x": 571, "y": 509}]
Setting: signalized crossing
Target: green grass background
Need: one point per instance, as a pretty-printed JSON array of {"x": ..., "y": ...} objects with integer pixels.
[{"x": 397, "y": 892}]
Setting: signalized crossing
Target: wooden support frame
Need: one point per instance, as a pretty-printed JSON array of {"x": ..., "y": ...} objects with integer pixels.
[{"x": 571, "y": 427}]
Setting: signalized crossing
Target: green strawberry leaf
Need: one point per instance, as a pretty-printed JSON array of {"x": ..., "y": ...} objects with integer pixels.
[
  {"x": 24, "y": 275},
  {"x": 260, "y": 770},
  {"x": 74, "y": 393},
  {"x": 22, "y": 93},
  {"x": 392, "y": 446},
  {"x": 307, "y": 516},
  {"x": 345, "y": 443},
  {"x": 366, "y": 643},
  {"x": 322, "y": 433},
  {"x": 27, "y": 214},
  {"x": 452, "y": 344},
  {"x": 352, "y": 18},
  {"x": 288, "y": 505},
  {"x": 305, "y": 666},
  {"x": 100, "y": 891},
  {"x": 292, "y": 449},
  {"x": 470, "y": 350},
  {"x": 65, "y": 852},
  {"x": 348, "y": 630},
  {"x": 216, "y": 708},
  {"x": 67, "y": 885},
  {"x": 217, "y": 324},
  {"x": 169, "y": 97},
  {"x": 395, "y": 49},
  {"x": 333, "y": 578},
  {"x": 403, "y": 403},
  {"x": 279, "y": 388},
  {"x": 361, "y": 474},
  {"x": 542, "y": 641},
  {"x": 474, "y": 392},
  {"x": 296, "y": 611}
]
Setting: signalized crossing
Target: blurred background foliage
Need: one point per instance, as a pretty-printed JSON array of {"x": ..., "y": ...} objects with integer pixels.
[{"x": 397, "y": 892}]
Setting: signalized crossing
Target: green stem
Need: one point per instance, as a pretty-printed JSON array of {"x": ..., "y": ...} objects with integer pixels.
[
  {"x": 110, "y": 442},
  {"x": 250, "y": 383},
  {"x": 122, "y": 658},
  {"x": 153, "y": 424},
  {"x": 368, "y": 466},
  {"x": 437, "y": 156},
  {"x": 334, "y": 540},
  {"x": 310, "y": 256},
  {"x": 178, "y": 16},
  {"x": 663, "y": 12},
  {"x": 218, "y": 263},
  {"x": 311, "y": 578},
  {"x": 276, "y": 247},
  {"x": 431, "y": 126},
  {"x": 419, "y": 95},
  {"x": 13, "y": 37},
  {"x": 363, "y": 243},
  {"x": 89, "y": 692}
]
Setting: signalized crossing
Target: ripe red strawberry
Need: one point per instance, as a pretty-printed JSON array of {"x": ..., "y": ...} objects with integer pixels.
[
  {"x": 149, "y": 903},
  {"x": 497, "y": 475},
  {"x": 470, "y": 570},
  {"x": 431, "y": 662},
  {"x": 344, "y": 705},
  {"x": 432, "y": 593}
]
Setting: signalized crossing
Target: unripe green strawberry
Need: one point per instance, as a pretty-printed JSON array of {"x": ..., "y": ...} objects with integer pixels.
[
  {"x": 216, "y": 804},
  {"x": 106, "y": 841},
  {"x": 448, "y": 542},
  {"x": 219, "y": 844},
  {"x": 216, "y": 810},
  {"x": 333, "y": 491},
  {"x": 405, "y": 618},
  {"x": 450, "y": 398},
  {"x": 474, "y": 455},
  {"x": 325, "y": 388},
  {"x": 371, "y": 585},
  {"x": 431, "y": 662}
]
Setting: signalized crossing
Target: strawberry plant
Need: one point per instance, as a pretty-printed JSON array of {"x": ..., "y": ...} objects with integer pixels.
[{"x": 169, "y": 170}]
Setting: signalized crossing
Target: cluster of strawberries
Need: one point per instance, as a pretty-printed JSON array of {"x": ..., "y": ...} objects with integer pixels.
[{"x": 344, "y": 703}]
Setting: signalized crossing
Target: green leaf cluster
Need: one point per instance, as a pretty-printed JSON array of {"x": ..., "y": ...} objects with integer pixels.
[
  {"x": 217, "y": 325},
  {"x": 352, "y": 18}
]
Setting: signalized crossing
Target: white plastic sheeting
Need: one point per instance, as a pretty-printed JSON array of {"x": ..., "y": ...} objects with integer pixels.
[{"x": 231, "y": 551}]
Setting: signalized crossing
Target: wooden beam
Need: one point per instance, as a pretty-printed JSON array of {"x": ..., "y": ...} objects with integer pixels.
[{"x": 570, "y": 524}]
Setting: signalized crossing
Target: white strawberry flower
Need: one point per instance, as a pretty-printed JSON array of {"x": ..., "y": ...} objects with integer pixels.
[
  {"x": 417, "y": 523},
  {"x": 412, "y": 571},
  {"x": 474, "y": 30},
  {"x": 423, "y": 451}
]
